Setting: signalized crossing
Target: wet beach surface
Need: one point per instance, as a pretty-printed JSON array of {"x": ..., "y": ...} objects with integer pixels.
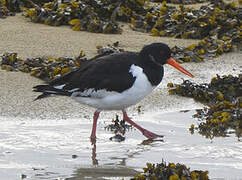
[
  {"x": 50, "y": 149},
  {"x": 49, "y": 139}
]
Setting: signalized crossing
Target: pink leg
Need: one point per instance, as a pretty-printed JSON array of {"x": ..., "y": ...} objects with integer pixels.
[
  {"x": 145, "y": 132},
  {"x": 94, "y": 126}
]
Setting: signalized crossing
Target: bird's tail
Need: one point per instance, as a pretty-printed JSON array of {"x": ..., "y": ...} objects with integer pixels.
[{"x": 48, "y": 90}]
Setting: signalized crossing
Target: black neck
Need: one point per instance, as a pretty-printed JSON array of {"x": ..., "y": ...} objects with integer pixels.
[{"x": 152, "y": 69}]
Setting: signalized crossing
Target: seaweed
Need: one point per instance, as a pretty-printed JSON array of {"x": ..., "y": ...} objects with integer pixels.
[
  {"x": 170, "y": 171},
  {"x": 223, "y": 97}
]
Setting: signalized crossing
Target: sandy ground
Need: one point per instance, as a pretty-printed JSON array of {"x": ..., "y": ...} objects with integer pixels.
[{"x": 19, "y": 35}]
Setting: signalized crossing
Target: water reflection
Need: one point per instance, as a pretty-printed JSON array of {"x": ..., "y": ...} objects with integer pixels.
[
  {"x": 94, "y": 155},
  {"x": 103, "y": 173}
]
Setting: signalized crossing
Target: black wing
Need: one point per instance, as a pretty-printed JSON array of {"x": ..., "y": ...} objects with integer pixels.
[{"x": 109, "y": 72}]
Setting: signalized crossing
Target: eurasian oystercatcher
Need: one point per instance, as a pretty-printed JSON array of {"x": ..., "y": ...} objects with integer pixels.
[{"x": 115, "y": 81}]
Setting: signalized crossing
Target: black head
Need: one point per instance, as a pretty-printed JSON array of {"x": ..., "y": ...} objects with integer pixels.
[{"x": 159, "y": 52}]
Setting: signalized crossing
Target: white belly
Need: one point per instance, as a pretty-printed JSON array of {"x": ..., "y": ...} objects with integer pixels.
[{"x": 110, "y": 100}]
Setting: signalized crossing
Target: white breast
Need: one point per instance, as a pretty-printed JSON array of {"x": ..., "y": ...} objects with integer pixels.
[{"x": 110, "y": 100}]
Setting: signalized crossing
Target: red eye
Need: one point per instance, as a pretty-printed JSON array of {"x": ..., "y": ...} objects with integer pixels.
[{"x": 162, "y": 52}]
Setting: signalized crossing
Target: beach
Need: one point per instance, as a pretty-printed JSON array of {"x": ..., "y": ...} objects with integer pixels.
[{"x": 18, "y": 34}]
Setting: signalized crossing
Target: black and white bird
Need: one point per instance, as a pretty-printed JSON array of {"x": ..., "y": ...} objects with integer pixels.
[{"x": 115, "y": 81}]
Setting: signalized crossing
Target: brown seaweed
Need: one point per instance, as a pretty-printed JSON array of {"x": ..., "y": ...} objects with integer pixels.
[
  {"x": 118, "y": 127},
  {"x": 170, "y": 171},
  {"x": 45, "y": 68},
  {"x": 223, "y": 96},
  {"x": 182, "y": 1}
]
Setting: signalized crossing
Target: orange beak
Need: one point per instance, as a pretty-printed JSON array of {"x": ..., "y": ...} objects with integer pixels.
[{"x": 173, "y": 63}]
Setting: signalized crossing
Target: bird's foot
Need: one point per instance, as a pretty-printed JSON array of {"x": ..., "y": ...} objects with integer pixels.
[{"x": 150, "y": 135}]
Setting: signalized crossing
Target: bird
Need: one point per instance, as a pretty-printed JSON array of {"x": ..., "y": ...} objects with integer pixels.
[{"x": 115, "y": 81}]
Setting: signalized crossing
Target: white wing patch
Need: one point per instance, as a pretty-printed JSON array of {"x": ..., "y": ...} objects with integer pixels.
[
  {"x": 59, "y": 86},
  {"x": 73, "y": 90},
  {"x": 92, "y": 93}
]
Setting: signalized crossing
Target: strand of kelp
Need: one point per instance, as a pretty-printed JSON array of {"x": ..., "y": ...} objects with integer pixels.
[
  {"x": 182, "y": 1},
  {"x": 9, "y": 7},
  {"x": 223, "y": 95}
]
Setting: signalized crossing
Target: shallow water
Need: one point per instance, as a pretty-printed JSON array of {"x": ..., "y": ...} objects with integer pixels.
[{"x": 52, "y": 149}]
